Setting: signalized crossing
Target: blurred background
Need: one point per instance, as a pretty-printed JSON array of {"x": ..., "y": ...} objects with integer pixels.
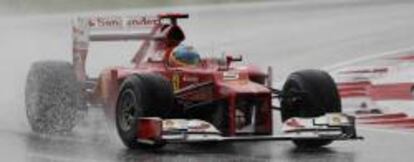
[
  {"x": 64, "y": 6},
  {"x": 352, "y": 39}
]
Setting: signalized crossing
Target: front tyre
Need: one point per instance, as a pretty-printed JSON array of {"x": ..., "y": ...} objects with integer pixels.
[
  {"x": 312, "y": 93},
  {"x": 53, "y": 97},
  {"x": 141, "y": 95}
]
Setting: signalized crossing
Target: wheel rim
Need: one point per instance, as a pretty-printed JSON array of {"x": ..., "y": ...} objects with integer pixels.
[{"x": 127, "y": 110}]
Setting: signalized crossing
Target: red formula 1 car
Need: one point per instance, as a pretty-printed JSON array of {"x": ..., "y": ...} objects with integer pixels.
[{"x": 156, "y": 102}]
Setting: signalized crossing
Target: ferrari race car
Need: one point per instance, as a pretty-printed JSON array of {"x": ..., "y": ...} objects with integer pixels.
[{"x": 155, "y": 102}]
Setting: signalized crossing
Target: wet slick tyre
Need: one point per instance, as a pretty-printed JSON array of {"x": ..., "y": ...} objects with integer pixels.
[
  {"x": 141, "y": 95},
  {"x": 311, "y": 93},
  {"x": 53, "y": 97}
]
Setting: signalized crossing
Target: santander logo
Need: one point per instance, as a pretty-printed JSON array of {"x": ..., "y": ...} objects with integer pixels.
[
  {"x": 121, "y": 22},
  {"x": 142, "y": 21},
  {"x": 105, "y": 22}
]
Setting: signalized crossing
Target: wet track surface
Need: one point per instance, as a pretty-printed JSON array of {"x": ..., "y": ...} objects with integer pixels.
[{"x": 288, "y": 35}]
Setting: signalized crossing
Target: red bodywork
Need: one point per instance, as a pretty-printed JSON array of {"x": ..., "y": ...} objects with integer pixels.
[{"x": 213, "y": 79}]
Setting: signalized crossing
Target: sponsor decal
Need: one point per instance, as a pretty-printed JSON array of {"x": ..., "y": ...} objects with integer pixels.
[
  {"x": 230, "y": 75},
  {"x": 142, "y": 21},
  {"x": 175, "y": 82},
  {"x": 294, "y": 123},
  {"x": 122, "y": 22},
  {"x": 200, "y": 126},
  {"x": 336, "y": 120},
  {"x": 109, "y": 22}
]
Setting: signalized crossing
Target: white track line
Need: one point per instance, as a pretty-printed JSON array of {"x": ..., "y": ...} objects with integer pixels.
[{"x": 334, "y": 67}]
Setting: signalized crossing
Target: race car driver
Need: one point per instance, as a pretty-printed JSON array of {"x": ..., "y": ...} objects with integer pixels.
[{"x": 184, "y": 55}]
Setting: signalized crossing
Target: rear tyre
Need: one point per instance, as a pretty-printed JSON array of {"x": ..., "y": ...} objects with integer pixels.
[
  {"x": 141, "y": 95},
  {"x": 53, "y": 97},
  {"x": 312, "y": 93}
]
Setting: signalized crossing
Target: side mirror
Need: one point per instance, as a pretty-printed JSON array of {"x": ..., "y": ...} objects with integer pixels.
[{"x": 230, "y": 58}]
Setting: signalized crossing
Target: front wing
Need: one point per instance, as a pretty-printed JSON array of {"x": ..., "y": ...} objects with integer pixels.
[{"x": 334, "y": 126}]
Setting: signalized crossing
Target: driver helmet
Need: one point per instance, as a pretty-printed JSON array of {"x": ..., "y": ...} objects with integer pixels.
[{"x": 185, "y": 55}]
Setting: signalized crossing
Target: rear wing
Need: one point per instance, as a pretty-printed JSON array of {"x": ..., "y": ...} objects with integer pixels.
[{"x": 120, "y": 28}]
